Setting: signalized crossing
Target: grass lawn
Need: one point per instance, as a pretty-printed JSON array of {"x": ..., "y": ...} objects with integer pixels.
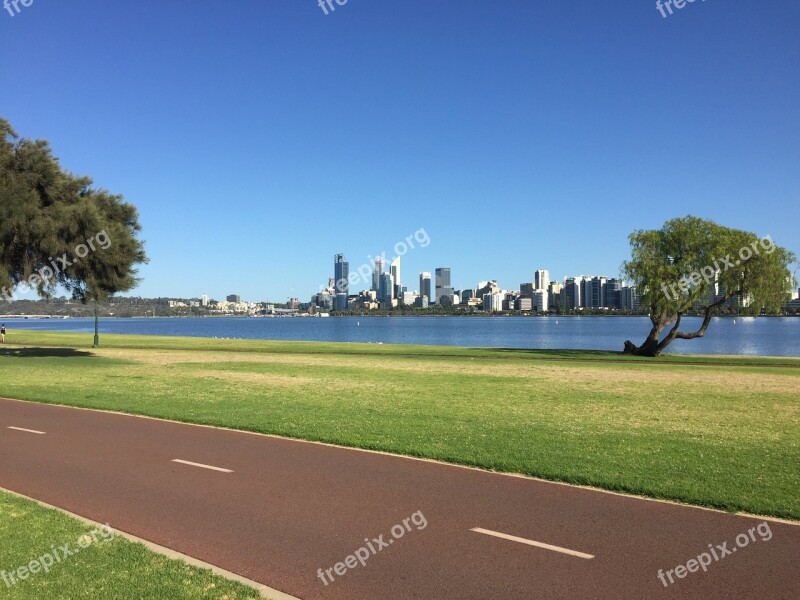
[
  {"x": 714, "y": 431},
  {"x": 108, "y": 568}
]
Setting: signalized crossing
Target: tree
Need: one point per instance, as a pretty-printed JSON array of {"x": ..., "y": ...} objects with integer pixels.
[
  {"x": 695, "y": 265},
  {"x": 57, "y": 231}
]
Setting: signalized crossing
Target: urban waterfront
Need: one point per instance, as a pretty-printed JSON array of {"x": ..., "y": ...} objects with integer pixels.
[{"x": 751, "y": 336}]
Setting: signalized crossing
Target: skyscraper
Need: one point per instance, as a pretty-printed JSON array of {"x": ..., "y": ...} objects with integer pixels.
[
  {"x": 386, "y": 291},
  {"x": 394, "y": 269},
  {"x": 341, "y": 273},
  {"x": 554, "y": 295},
  {"x": 541, "y": 279},
  {"x": 613, "y": 288},
  {"x": 376, "y": 274},
  {"x": 425, "y": 285},
  {"x": 443, "y": 287},
  {"x": 595, "y": 292},
  {"x": 572, "y": 293},
  {"x": 541, "y": 300},
  {"x": 629, "y": 298}
]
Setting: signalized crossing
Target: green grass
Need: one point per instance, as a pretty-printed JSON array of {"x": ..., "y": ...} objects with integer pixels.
[
  {"x": 722, "y": 432},
  {"x": 109, "y": 569}
]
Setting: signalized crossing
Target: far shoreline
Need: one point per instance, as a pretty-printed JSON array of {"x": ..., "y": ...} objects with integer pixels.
[{"x": 13, "y": 317}]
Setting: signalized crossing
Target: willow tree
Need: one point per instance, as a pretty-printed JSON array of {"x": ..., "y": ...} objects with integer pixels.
[
  {"x": 692, "y": 265},
  {"x": 59, "y": 232}
]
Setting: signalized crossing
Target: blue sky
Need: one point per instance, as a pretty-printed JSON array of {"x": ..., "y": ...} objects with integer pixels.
[{"x": 259, "y": 138}]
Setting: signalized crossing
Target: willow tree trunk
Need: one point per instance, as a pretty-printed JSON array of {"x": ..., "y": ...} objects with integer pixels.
[{"x": 651, "y": 347}]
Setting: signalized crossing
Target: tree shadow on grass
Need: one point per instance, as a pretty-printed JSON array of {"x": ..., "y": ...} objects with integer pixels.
[{"x": 43, "y": 353}]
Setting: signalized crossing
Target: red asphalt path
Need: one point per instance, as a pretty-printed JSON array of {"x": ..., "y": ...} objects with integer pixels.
[{"x": 289, "y": 508}]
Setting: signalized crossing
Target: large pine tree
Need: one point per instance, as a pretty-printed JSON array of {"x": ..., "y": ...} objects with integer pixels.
[{"x": 57, "y": 231}]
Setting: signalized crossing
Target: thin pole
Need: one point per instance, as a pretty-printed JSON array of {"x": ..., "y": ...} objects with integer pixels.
[{"x": 96, "y": 327}]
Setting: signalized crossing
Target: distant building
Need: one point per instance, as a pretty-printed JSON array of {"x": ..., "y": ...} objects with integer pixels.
[
  {"x": 594, "y": 292},
  {"x": 235, "y": 298},
  {"x": 526, "y": 289},
  {"x": 541, "y": 279},
  {"x": 509, "y": 301},
  {"x": 204, "y": 300},
  {"x": 444, "y": 288},
  {"x": 409, "y": 298},
  {"x": 386, "y": 291},
  {"x": 394, "y": 269},
  {"x": 323, "y": 300},
  {"x": 376, "y": 274},
  {"x": 613, "y": 288},
  {"x": 421, "y": 302},
  {"x": 541, "y": 300},
  {"x": 554, "y": 295},
  {"x": 629, "y": 298},
  {"x": 425, "y": 285},
  {"x": 524, "y": 303},
  {"x": 571, "y": 293},
  {"x": 341, "y": 276},
  {"x": 493, "y": 302},
  {"x": 487, "y": 287}
]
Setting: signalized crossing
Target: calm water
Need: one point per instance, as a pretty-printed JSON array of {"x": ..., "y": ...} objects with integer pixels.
[{"x": 750, "y": 336}]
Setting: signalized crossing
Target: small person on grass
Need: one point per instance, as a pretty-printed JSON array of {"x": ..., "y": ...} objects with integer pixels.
[{"x": 3, "y": 333}]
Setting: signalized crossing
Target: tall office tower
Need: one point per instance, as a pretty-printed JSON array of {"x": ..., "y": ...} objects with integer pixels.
[
  {"x": 586, "y": 291},
  {"x": 376, "y": 274},
  {"x": 541, "y": 279},
  {"x": 595, "y": 292},
  {"x": 554, "y": 295},
  {"x": 204, "y": 300},
  {"x": 541, "y": 300},
  {"x": 443, "y": 287},
  {"x": 629, "y": 298},
  {"x": 572, "y": 293},
  {"x": 493, "y": 302},
  {"x": 386, "y": 290},
  {"x": 425, "y": 285},
  {"x": 612, "y": 293},
  {"x": 394, "y": 269},
  {"x": 341, "y": 275}
]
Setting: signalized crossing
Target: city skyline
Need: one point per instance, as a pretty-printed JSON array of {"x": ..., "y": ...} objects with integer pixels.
[{"x": 386, "y": 291}]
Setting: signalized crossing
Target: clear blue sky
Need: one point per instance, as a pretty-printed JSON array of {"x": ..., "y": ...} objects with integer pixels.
[{"x": 259, "y": 138}]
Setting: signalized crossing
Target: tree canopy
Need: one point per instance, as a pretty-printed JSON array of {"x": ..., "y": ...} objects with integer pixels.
[
  {"x": 56, "y": 230},
  {"x": 696, "y": 265}
]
